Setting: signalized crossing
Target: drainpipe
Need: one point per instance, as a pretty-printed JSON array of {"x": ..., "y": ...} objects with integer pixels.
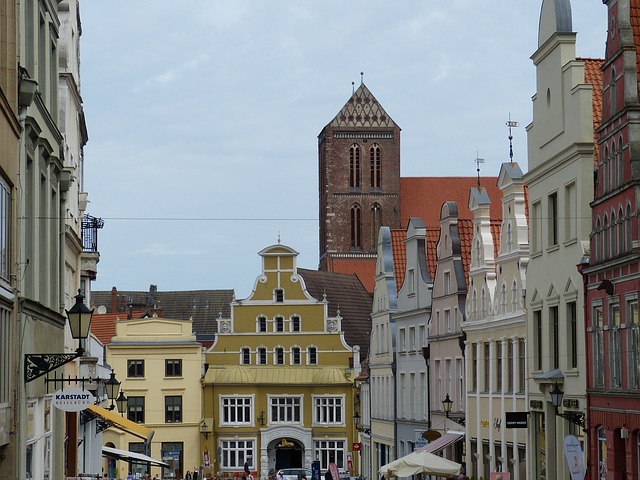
[{"x": 426, "y": 353}]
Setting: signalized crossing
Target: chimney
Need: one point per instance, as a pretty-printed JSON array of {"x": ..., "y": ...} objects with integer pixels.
[
  {"x": 114, "y": 300},
  {"x": 150, "y": 300}
]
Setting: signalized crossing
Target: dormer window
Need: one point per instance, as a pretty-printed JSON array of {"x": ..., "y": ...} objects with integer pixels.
[{"x": 279, "y": 295}]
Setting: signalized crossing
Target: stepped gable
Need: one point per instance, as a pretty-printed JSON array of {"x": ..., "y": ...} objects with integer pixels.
[
  {"x": 593, "y": 76},
  {"x": 422, "y": 197},
  {"x": 203, "y": 307},
  {"x": 362, "y": 110},
  {"x": 346, "y": 293}
]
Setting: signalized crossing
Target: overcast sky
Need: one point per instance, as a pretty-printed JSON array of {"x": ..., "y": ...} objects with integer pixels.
[{"x": 203, "y": 116}]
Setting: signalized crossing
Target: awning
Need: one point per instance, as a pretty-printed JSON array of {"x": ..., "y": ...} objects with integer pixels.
[
  {"x": 130, "y": 456},
  {"x": 117, "y": 421},
  {"x": 443, "y": 442}
]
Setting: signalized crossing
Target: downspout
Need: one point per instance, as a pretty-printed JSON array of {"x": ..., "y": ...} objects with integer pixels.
[
  {"x": 587, "y": 451},
  {"x": 426, "y": 353}
]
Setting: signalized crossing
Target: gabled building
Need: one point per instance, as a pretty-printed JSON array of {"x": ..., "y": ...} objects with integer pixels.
[
  {"x": 612, "y": 273},
  {"x": 279, "y": 382},
  {"x": 495, "y": 331},
  {"x": 561, "y": 157}
]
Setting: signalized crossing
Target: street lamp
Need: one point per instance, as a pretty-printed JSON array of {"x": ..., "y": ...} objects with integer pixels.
[
  {"x": 356, "y": 420},
  {"x": 122, "y": 402},
  {"x": 577, "y": 418},
  {"x": 447, "y": 403},
  {"x": 112, "y": 387},
  {"x": 39, "y": 364}
]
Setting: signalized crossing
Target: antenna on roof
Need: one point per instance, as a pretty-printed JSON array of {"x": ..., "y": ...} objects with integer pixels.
[
  {"x": 478, "y": 161},
  {"x": 511, "y": 124},
  {"x": 361, "y": 78},
  {"x": 353, "y": 88},
  {"x": 278, "y": 237}
]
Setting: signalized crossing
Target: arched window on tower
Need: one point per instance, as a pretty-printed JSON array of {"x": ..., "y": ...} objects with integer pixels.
[
  {"x": 620, "y": 163},
  {"x": 628, "y": 233},
  {"x": 355, "y": 226},
  {"x": 613, "y": 167},
  {"x": 621, "y": 237},
  {"x": 376, "y": 222},
  {"x": 354, "y": 166},
  {"x": 605, "y": 237},
  {"x": 376, "y": 167},
  {"x": 597, "y": 243},
  {"x": 613, "y": 244},
  {"x": 605, "y": 172}
]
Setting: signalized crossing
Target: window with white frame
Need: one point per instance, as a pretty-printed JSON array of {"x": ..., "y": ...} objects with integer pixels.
[
  {"x": 598, "y": 345},
  {"x": 447, "y": 283},
  {"x": 262, "y": 324},
  {"x": 327, "y": 450},
  {"x": 234, "y": 452},
  {"x": 278, "y": 356},
  {"x": 447, "y": 321},
  {"x": 5, "y": 229},
  {"x": 312, "y": 356},
  {"x": 285, "y": 409},
  {"x": 278, "y": 295},
  {"x": 261, "y": 356},
  {"x": 412, "y": 339},
  {"x": 615, "y": 345},
  {"x": 279, "y": 321},
  {"x": 245, "y": 356},
  {"x": 329, "y": 410},
  {"x": 296, "y": 356},
  {"x": 295, "y": 323},
  {"x": 633, "y": 341},
  {"x": 236, "y": 410}
]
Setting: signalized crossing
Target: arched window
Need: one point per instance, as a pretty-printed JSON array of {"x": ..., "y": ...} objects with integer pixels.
[
  {"x": 620, "y": 163},
  {"x": 597, "y": 247},
  {"x": 355, "y": 226},
  {"x": 621, "y": 236},
  {"x": 514, "y": 296},
  {"x": 376, "y": 167},
  {"x": 613, "y": 168},
  {"x": 605, "y": 171},
  {"x": 261, "y": 354},
  {"x": 509, "y": 237},
  {"x": 474, "y": 304},
  {"x": 376, "y": 222},
  {"x": 503, "y": 299},
  {"x": 613, "y": 243},
  {"x": 628, "y": 233},
  {"x": 312, "y": 356},
  {"x": 354, "y": 166},
  {"x": 605, "y": 238}
]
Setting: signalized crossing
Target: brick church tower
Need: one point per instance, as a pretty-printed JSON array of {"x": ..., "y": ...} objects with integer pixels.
[{"x": 359, "y": 184}]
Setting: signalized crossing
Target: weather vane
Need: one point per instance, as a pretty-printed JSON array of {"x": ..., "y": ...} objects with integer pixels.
[
  {"x": 511, "y": 124},
  {"x": 478, "y": 161},
  {"x": 361, "y": 78}
]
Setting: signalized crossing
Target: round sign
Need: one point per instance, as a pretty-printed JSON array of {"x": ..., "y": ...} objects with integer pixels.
[
  {"x": 431, "y": 435},
  {"x": 73, "y": 399}
]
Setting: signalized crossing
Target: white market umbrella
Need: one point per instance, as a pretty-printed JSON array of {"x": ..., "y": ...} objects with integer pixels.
[{"x": 420, "y": 462}]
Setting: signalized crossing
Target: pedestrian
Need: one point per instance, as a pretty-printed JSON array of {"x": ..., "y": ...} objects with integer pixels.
[
  {"x": 332, "y": 471},
  {"x": 246, "y": 467},
  {"x": 195, "y": 473},
  {"x": 280, "y": 475},
  {"x": 187, "y": 475}
]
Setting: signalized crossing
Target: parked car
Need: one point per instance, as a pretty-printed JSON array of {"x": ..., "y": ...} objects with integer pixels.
[{"x": 292, "y": 473}]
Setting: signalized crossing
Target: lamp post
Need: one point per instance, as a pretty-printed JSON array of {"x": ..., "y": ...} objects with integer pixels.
[
  {"x": 356, "y": 420},
  {"x": 39, "y": 364},
  {"x": 447, "y": 404},
  {"x": 122, "y": 402},
  {"x": 577, "y": 418},
  {"x": 113, "y": 387}
]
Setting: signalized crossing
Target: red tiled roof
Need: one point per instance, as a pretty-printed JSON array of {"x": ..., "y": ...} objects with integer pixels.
[
  {"x": 423, "y": 197},
  {"x": 433, "y": 235},
  {"x": 593, "y": 76},
  {"x": 399, "y": 255},
  {"x": 465, "y": 231},
  {"x": 103, "y": 326}
]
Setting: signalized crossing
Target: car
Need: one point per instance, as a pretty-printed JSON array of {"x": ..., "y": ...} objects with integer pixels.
[{"x": 292, "y": 473}]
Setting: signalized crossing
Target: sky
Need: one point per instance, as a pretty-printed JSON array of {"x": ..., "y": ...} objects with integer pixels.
[{"x": 203, "y": 116}]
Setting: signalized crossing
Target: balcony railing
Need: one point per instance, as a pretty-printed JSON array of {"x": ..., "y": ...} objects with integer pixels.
[{"x": 90, "y": 226}]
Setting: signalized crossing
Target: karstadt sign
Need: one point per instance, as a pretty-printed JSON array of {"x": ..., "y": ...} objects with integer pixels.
[{"x": 73, "y": 399}]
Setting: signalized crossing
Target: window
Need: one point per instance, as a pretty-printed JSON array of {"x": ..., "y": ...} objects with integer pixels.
[
  {"x": 602, "y": 451},
  {"x": 279, "y": 356},
  {"x": 312, "y": 356},
  {"x": 374, "y": 154},
  {"x": 330, "y": 449},
  {"x": 262, "y": 324},
  {"x": 135, "y": 368},
  {"x": 285, "y": 409},
  {"x": 537, "y": 326},
  {"x": 474, "y": 367},
  {"x": 173, "y": 409},
  {"x": 295, "y": 356},
  {"x": 447, "y": 321},
  {"x": 236, "y": 410},
  {"x": 245, "y": 356},
  {"x": 536, "y": 227},
  {"x": 553, "y": 219},
  {"x": 295, "y": 324},
  {"x": 135, "y": 409},
  {"x": 376, "y": 222},
  {"x": 354, "y": 166},
  {"x": 498, "y": 366},
  {"x": 522, "y": 366},
  {"x": 555, "y": 332},
  {"x": 279, "y": 324},
  {"x": 138, "y": 466},
  {"x": 621, "y": 235},
  {"x": 173, "y": 368},
  {"x": 510, "y": 365},
  {"x": 262, "y": 356},
  {"x": 412, "y": 339},
  {"x": 633, "y": 340},
  {"x": 5, "y": 356},
  {"x": 355, "y": 226},
  {"x": 615, "y": 345},
  {"x": 570, "y": 211},
  {"x": 5, "y": 230},
  {"x": 503, "y": 299},
  {"x": 598, "y": 346},
  {"x": 572, "y": 321},
  {"x": 279, "y": 295},
  {"x": 233, "y": 453},
  {"x": 514, "y": 297},
  {"x": 597, "y": 244},
  {"x": 402, "y": 340},
  {"x": 509, "y": 238},
  {"x": 487, "y": 367},
  {"x": 328, "y": 410},
  {"x": 447, "y": 283}
]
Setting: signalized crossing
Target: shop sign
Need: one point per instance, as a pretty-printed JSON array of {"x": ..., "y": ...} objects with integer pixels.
[{"x": 73, "y": 399}]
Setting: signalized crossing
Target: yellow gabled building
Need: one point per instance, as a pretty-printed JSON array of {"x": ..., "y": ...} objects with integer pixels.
[{"x": 279, "y": 383}]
